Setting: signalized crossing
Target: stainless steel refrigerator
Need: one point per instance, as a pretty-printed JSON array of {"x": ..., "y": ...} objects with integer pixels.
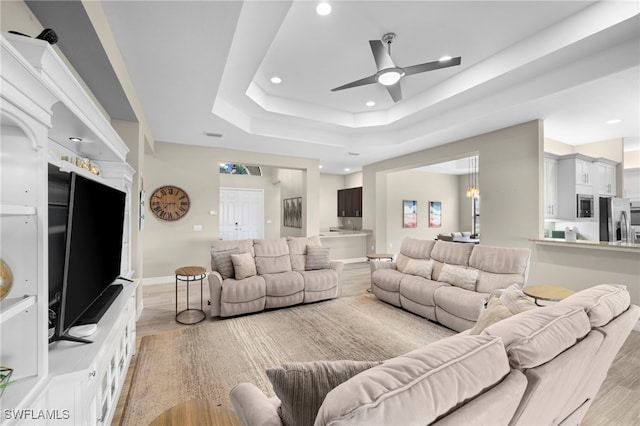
[{"x": 614, "y": 218}]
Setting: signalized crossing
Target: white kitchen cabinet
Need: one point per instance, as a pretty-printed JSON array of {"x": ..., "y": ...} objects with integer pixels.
[
  {"x": 574, "y": 178},
  {"x": 605, "y": 177},
  {"x": 550, "y": 187},
  {"x": 41, "y": 101},
  {"x": 632, "y": 184},
  {"x": 583, "y": 171}
]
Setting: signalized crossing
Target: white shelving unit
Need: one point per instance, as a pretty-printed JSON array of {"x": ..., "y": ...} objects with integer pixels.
[{"x": 41, "y": 103}]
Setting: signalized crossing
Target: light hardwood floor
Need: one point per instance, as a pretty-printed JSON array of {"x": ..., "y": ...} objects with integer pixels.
[{"x": 617, "y": 403}]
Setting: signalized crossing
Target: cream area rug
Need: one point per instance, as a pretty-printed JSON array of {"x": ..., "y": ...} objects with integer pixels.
[{"x": 207, "y": 360}]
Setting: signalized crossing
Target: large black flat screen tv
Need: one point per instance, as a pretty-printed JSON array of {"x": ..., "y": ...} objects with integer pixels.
[{"x": 93, "y": 249}]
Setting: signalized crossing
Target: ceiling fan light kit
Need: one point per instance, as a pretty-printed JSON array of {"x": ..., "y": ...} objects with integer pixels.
[{"x": 389, "y": 75}]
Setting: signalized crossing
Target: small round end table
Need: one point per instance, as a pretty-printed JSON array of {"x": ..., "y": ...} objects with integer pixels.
[
  {"x": 379, "y": 256},
  {"x": 197, "y": 412},
  {"x": 189, "y": 274},
  {"x": 550, "y": 293}
]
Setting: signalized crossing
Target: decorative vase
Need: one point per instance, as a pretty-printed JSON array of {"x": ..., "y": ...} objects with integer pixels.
[
  {"x": 6, "y": 279},
  {"x": 5, "y": 377}
]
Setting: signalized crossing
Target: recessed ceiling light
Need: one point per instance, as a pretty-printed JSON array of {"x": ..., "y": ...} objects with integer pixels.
[
  {"x": 445, "y": 58},
  {"x": 347, "y": 170},
  {"x": 74, "y": 139},
  {"x": 276, "y": 80},
  {"x": 323, "y": 9},
  {"x": 370, "y": 103},
  {"x": 614, "y": 121}
]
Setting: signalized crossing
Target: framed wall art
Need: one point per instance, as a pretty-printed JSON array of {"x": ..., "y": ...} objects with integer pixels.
[
  {"x": 435, "y": 214},
  {"x": 409, "y": 214},
  {"x": 293, "y": 212}
]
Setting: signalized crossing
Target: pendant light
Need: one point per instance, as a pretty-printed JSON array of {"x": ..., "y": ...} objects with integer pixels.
[{"x": 473, "y": 190}]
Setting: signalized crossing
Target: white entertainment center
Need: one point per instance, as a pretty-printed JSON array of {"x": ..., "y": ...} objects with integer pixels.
[{"x": 42, "y": 106}]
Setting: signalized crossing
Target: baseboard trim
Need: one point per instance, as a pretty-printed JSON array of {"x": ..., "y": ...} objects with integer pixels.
[{"x": 158, "y": 280}]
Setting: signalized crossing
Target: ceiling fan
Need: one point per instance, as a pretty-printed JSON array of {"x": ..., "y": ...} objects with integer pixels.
[{"x": 389, "y": 74}]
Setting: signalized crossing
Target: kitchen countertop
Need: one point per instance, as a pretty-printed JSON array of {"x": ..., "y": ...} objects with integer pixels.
[
  {"x": 588, "y": 244},
  {"x": 343, "y": 233}
]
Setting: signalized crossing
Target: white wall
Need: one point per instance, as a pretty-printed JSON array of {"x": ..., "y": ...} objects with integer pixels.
[
  {"x": 511, "y": 184},
  {"x": 353, "y": 180},
  {"x": 422, "y": 187},
  {"x": 291, "y": 183},
  {"x": 329, "y": 186},
  {"x": 465, "y": 212},
  {"x": 611, "y": 149},
  {"x": 169, "y": 245},
  {"x": 632, "y": 159}
]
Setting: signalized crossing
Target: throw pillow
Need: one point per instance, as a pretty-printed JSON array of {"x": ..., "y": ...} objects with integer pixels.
[
  {"x": 458, "y": 276},
  {"x": 221, "y": 261},
  {"x": 302, "y": 386},
  {"x": 317, "y": 258},
  {"x": 495, "y": 311},
  {"x": 244, "y": 265},
  {"x": 273, "y": 264},
  {"x": 511, "y": 301},
  {"x": 419, "y": 267}
]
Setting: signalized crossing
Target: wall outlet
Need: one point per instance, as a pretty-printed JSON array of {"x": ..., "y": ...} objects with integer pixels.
[
  {"x": 269, "y": 221},
  {"x": 213, "y": 212},
  {"x": 197, "y": 227}
]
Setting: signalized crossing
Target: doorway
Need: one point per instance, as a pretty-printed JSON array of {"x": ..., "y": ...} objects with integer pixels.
[{"x": 241, "y": 213}]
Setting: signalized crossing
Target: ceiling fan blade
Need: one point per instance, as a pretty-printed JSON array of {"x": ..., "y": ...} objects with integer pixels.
[
  {"x": 380, "y": 54},
  {"x": 363, "y": 81},
  {"x": 395, "y": 91},
  {"x": 430, "y": 66}
]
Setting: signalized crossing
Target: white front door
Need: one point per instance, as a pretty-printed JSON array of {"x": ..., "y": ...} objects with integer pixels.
[{"x": 241, "y": 213}]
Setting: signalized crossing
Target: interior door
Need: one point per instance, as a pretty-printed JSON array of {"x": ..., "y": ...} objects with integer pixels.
[{"x": 241, "y": 213}]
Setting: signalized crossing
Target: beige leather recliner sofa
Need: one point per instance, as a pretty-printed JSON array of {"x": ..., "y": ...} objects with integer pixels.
[
  {"x": 448, "y": 282},
  {"x": 281, "y": 275},
  {"x": 543, "y": 366}
]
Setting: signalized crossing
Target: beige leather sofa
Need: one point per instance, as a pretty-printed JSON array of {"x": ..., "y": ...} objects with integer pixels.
[
  {"x": 416, "y": 282},
  {"x": 281, "y": 276},
  {"x": 543, "y": 366}
]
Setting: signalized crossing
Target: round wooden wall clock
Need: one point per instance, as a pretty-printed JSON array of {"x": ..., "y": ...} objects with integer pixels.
[{"x": 169, "y": 203}]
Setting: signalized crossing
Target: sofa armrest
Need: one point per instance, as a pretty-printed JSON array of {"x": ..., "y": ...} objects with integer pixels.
[
  {"x": 378, "y": 264},
  {"x": 253, "y": 407},
  {"x": 338, "y": 267},
  {"x": 215, "y": 292}
]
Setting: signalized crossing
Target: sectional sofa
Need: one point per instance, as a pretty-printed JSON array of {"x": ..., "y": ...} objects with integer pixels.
[
  {"x": 253, "y": 275},
  {"x": 445, "y": 281},
  {"x": 543, "y": 366}
]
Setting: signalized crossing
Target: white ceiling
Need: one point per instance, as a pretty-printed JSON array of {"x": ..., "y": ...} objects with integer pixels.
[{"x": 205, "y": 66}]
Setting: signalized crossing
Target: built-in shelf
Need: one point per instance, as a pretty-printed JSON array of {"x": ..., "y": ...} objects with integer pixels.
[
  {"x": 68, "y": 167},
  {"x": 12, "y": 307},
  {"x": 11, "y": 210}
]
